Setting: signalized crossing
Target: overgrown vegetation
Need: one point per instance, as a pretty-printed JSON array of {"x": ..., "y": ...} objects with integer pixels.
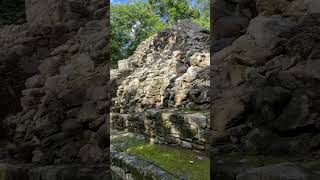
[
  {"x": 134, "y": 22},
  {"x": 131, "y": 24},
  {"x": 12, "y": 12},
  {"x": 177, "y": 161}
]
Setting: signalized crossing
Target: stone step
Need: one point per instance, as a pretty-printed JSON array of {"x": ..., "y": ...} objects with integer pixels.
[
  {"x": 188, "y": 129},
  {"x": 128, "y": 167},
  {"x": 146, "y": 164}
]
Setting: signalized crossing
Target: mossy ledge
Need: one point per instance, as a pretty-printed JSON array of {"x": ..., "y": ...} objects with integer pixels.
[
  {"x": 133, "y": 156},
  {"x": 187, "y": 129}
]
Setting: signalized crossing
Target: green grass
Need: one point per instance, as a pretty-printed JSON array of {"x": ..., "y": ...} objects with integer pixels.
[{"x": 174, "y": 160}]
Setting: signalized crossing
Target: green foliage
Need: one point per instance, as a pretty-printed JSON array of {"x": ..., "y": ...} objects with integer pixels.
[
  {"x": 130, "y": 25},
  {"x": 134, "y": 22},
  {"x": 203, "y": 6},
  {"x": 12, "y": 12},
  {"x": 173, "y": 10}
]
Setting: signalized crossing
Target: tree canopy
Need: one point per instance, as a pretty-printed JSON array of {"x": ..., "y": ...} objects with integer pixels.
[
  {"x": 171, "y": 11},
  {"x": 136, "y": 21},
  {"x": 131, "y": 24}
]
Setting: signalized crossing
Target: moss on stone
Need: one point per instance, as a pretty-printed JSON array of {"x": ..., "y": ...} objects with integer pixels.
[
  {"x": 177, "y": 161},
  {"x": 194, "y": 111}
]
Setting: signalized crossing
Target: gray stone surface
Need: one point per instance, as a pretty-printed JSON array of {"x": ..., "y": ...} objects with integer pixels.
[
  {"x": 190, "y": 130},
  {"x": 63, "y": 172},
  {"x": 53, "y": 70},
  {"x": 126, "y": 166},
  {"x": 278, "y": 171},
  {"x": 164, "y": 73},
  {"x": 262, "y": 85}
]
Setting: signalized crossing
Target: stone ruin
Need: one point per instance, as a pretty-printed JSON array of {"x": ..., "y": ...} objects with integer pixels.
[
  {"x": 265, "y": 73},
  {"x": 161, "y": 93},
  {"x": 54, "y": 88},
  {"x": 162, "y": 90},
  {"x": 262, "y": 92}
]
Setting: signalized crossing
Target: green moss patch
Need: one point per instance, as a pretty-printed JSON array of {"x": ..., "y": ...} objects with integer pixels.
[
  {"x": 194, "y": 111},
  {"x": 177, "y": 161}
]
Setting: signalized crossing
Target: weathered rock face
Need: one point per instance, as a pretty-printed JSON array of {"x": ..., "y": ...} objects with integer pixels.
[
  {"x": 54, "y": 77},
  {"x": 242, "y": 170},
  {"x": 61, "y": 172},
  {"x": 283, "y": 171},
  {"x": 265, "y": 85},
  {"x": 229, "y": 20},
  {"x": 161, "y": 91},
  {"x": 49, "y": 13},
  {"x": 170, "y": 69},
  {"x": 129, "y": 166},
  {"x": 167, "y": 75},
  {"x": 190, "y": 130}
]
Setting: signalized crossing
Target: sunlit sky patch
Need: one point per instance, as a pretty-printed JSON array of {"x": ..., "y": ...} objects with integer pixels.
[{"x": 118, "y": 1}]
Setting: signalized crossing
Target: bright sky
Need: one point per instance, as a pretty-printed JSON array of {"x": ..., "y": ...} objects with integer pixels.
[{"x": 118, "y": 1}]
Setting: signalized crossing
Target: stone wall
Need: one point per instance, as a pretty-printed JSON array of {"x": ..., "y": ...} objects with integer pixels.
[
  {"x": 49, "y": 13},
  {"x": 18, "y": 171},
  {"x": 167, "y": 71},
  {"x": 129, "y": 167},
  {"x": 188, "y": 130},
  {"x": 170, "y": 69},
  {"x": 265, "y": 82},
  {"x": 55, "y": 73}
]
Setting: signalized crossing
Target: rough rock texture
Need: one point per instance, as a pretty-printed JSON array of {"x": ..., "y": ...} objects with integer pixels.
[
  {"x": 128, "y": 166},
  {"x": 265, "y": 81},
  {"x": 167, "y": 75},
  {"x": 54, "y": 84},
  {"x": 265, "y": 85},
  {"x": 170, "y": 69},
  {"x": 190, "y": 130},
  {"x": 278, "y": 171},
  {"x": 17, "y": 171},
  {"x": 242, "y": 170}
]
